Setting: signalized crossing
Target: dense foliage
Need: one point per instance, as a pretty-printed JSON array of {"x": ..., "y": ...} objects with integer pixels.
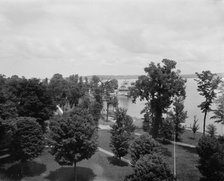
[
  {"x": 73, "y": 137},
  {"x": 121, "y": 133},
  {"x": 143, "y": 145},
  {"x": 211, "y": 162},
  {"x": 177, "y": 116},
  {"x": 158, "y": 88},
  {"x": 27, "y": 139},
  {"x": 151, "y": 167},
  {"x": 219, "y": 111},
  {"x": 25, "y": 98},
  {"x": 109, "y": 87}
]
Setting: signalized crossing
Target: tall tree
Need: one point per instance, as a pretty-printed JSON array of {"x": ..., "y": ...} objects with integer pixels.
[
  {"x": 219, "y": 111},
  {"x": 178, "y": 116},
  {"x": 73, "y": 137},
  {"x": 121, "y": 133},
  {"x": 76, "y": 89},
  {"x": 207, "y": 84},
  {"x": 96, "y": 92},
  {"x": 109, "y": 87},
  {"x": 59, "y": 89},
  {"x": 35, "y": 100},
  {"x": 10, "y": 90},
  {"x": 158, "y": 88},
  {"x": 27, "y": 140}
]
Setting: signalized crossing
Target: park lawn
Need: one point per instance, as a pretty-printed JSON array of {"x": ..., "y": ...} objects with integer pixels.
[
  {"x": 186, "y": 158},
  {"x": 99, "y": 167},
  {"x": 187, "y": 137}
]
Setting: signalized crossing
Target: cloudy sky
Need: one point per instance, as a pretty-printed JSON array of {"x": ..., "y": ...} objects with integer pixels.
[{"x": 41, "y": 37}]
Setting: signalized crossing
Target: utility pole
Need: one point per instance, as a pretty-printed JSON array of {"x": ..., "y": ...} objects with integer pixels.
[{"x": 174, "y": 155}]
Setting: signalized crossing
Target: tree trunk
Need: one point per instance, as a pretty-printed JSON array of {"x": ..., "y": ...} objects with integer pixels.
[
  {"x": 75, "y": 174},
  {"x": 204, "y": 122},
  {"x": 157, "y": 120}
]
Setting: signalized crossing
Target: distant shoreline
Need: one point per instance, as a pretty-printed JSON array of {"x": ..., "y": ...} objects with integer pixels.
[{"x": 107, "y": 77}]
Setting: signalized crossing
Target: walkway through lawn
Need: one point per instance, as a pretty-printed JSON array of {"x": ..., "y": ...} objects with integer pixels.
[{"x": 111, "y": 154}]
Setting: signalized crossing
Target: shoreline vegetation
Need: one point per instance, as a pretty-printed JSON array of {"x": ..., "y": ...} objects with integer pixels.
[
  {"x": 86, "y": 127},
  {"x": 106, "y": 77}
]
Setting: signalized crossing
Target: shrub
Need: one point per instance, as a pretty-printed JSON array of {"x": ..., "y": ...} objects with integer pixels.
[
  {"x": 211, "y": 162},
  {"x": 143, "y": 145},
  {"x": 195, "y": 126},
  {"x": 150, "y": 167},
  {"x": 166, "y": 130},
  {"x": 207, "y": 146}
]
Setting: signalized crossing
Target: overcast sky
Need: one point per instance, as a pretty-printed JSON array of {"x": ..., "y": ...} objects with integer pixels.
[{"x": 41, "y": 37}]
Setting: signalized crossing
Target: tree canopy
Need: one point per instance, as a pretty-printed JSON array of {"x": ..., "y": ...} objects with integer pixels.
[
  {"x": 159, "y": 87},
  {"x": 178, "y": 116},
  {"x": 27, "y": 139},
  {"x": 25, "y": 98},
  {"x": 73, "y": 137}
]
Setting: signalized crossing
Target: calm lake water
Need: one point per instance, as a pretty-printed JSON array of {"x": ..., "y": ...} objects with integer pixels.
[{"x": 193, "y": 99}]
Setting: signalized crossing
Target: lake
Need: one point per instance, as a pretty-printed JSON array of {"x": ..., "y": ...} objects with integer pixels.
[{"x": 193, "y": 99}]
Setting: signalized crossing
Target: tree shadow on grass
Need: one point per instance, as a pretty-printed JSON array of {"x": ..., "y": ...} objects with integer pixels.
[
  {"x": 30, "y": 169},
  {"x": 67, "y": 174},
  {"x": 117, "y": 162}
]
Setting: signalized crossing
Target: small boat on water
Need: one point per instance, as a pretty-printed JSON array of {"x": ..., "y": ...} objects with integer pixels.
[{"x": 124, "y": 88}]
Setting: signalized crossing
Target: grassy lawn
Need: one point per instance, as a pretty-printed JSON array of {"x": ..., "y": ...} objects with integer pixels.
[
  {"x": 187, "y": 137},
  {"x": 99, "y": 168},
  {"x": 186, "y": 158}
]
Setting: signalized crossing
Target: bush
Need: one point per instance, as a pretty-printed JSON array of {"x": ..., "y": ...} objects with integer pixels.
[
  {"x": 211, "y": 162},
  {"x": 143, "y": 145},
  {"x": 27, "y": 139},
  {"x": 207, "y": 146},
  {"x": 150, "y": 167},
  {"x": 195, "y": 126},
  {"x": 167, "y": 129}
]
